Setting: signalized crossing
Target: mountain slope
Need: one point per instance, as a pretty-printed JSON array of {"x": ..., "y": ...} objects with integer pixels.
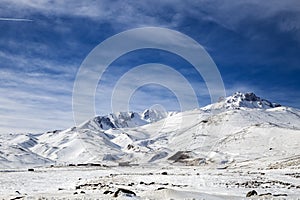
[
  {"x": 230, "y": 136},
  {"x": 124, "y": 119},
  {"x": 15, "y": 151},
  {"x": 242, "y": 101},
  {"x": 241, "y": 130}
]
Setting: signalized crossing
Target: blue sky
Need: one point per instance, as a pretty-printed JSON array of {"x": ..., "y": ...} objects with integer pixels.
[{"x": 255, "y": 45}]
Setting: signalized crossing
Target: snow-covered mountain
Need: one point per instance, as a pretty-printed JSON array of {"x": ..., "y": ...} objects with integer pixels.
[
  {"x": 245, "y": 130},
  {"x": 242, "y": 100},
  {"x": 125, "y": 119}
]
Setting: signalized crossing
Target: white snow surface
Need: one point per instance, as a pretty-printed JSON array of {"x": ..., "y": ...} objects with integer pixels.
[{"x": 241, "y": 132}]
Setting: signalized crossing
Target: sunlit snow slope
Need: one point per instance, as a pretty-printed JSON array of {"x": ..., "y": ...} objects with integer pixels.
[{"x": 240, "y": 130}]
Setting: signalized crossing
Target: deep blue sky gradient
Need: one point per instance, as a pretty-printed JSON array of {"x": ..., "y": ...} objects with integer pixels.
[{"x": 256, "y": 46}]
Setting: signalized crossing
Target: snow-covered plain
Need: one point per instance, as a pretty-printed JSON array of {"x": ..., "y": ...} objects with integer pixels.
[{"x": 221, "y": 151}]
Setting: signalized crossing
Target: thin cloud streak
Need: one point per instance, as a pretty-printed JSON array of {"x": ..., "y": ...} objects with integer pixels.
[
  {"x": 39, "y": 62},
  {"x": 15, "y": 19}
]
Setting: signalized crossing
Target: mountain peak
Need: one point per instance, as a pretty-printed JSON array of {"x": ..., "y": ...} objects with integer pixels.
[
  {"x": 248, "y": 96},
  {"x": 248, "y": 100},
  {"x": 125, "y": 119},
  {"x": 241, "y": 100},
  {"x": 154, "y": 113}
]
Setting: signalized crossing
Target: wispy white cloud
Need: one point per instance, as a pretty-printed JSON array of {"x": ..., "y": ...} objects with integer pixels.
[
  {"x": 15, "y": 19},
  {"x": 229, "y": 14},
  {"x": 121, "y": 14},
  {"x": 29, "y": 63},
  {"x": 26, "y": 111},
  {"x": 34, "y": 100},
  {"x": 33, "y": 96}
]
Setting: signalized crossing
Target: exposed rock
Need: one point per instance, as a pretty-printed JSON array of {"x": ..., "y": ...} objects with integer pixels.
[
  {"x": 251, "y": 193},
  {"x": 125, "y": 191},
  {"x": 180, "y": 155},
  {"x": 251, "y": 97},
  {"x": 266, "y": 194},
  {"x": 278, "y": 195},
  {"x": 20, "y": 197},
  {"x": 124, "y": 164},
  {"x": 158, "y": 156},
  {"x": 108, "y": 192},
  {"x": 130, "y": 146}
]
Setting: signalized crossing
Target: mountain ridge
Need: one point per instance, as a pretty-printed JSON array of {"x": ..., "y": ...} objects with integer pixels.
[
  {"x": 241, "y": 100},
  {"x": 200, "y": 137}
]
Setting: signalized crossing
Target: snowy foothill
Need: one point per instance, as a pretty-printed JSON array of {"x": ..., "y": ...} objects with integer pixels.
[{"x": 241, "y": 146}]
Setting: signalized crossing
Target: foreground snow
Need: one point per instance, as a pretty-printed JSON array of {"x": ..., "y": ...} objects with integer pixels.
[
  {"x": 149, "y": 182},
  {"x": 223, "y": 150}
]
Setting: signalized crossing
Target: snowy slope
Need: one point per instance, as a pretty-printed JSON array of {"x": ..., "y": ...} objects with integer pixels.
[
  {"x": 124, "y": 120},
  {"x": 228, "y": 137},
  {"x": 15, "y": 151},
  {"x": 242, "y": 101},
  {"x": 241, "y": 130}
]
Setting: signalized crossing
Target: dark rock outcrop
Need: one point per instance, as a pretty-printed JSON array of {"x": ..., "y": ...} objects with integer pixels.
[
  {"x": 125, "y": 191},
  {"x": 251, "y": 193}
]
